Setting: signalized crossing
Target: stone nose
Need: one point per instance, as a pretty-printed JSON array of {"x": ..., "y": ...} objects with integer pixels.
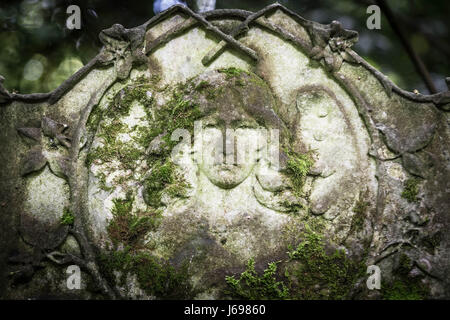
[{"x": 228, "y": 145}]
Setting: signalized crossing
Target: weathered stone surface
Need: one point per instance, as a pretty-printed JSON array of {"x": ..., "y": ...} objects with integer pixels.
[{"x": 130, "y": 169}]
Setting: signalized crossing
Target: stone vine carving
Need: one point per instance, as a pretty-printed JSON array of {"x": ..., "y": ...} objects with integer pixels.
[{"x": 46, "y": 151}]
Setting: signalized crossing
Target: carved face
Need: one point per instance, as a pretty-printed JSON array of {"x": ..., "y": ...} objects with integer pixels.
[{"x": 230, "y": 144}]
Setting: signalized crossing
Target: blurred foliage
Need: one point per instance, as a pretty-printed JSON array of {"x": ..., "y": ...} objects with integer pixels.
[{"x": 38, "y": 52}]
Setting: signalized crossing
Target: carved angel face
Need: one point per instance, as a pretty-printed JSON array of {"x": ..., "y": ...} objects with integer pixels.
[{"x": 231, "y": 142}]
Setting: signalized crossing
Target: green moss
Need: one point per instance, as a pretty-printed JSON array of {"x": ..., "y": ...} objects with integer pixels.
[
  {"x": 124, "y": 99},
  {"x": 292, "y": 207},
  {"x": 111, "y": 126},
  {"x": 310, "y": 273},
  {"x": 202, "y": 85},
  {"x": 160, "y": 176},
  {"x": 403, "y": 287},
  {"x": 258, "y": 81},
  {"x": 317, "y": 274},
  {"x": 400, "y": 290},
  {"x": 251, "y": 286},
  {"x": 359, "y": 217},
  {"x": 405, "y": 265},
  {"x": 102, "y": 181},
  {"x": 213, "y": 92},
  {"x": 110, "y": 131},
  {"x": 155, "y": 78},
  {"x": 240, "y": 83},
  {"x": 297, "y": 168},
  {"x": 143, "y": 136},
  {"x": 155, "y": 276},
  {"x": 163, "y": 178},
  {"x": 232, "y": 72},
  {"x": 94, "y": 118},
  {"x": 112, "y": 148},
  {"x": 411, "y": 189},
  {"x": 236, "y": 74},
  {"x": 115, "y": 260},
  {"x": 159, "y": 278},
  {"x": 127, "y": 228},
  {"x": 124, "y": 152},
  {"x": 177, "y": 113},
  {"x": 67, "y": 218}
]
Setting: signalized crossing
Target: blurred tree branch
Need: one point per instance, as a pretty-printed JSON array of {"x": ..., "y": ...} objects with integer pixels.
[
  {"x": 434, "y": 40},
  {"x": 417, "y": 61}
]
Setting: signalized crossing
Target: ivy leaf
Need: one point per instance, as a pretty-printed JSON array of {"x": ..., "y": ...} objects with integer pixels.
[
  {"x": 32, "y": 133},
  {"x": 33, "y": 161}
]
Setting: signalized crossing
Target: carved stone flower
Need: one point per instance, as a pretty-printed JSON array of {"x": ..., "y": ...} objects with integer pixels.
[
  {"x": 47, "y": 138},
  {"x": 122, "y": 48},
  {"x": 333, "y": 44}
]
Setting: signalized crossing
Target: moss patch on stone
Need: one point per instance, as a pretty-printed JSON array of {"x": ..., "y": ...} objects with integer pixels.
[
  {"x": 411, "y": 189},
  {"x": 297, "y": 168},
  {"x": 310, "y": 272},
  {"x": 111, "y": 126},
  {"x": 94, "y": 118},
  {"x": 404, "y": 287},
  {"x": 251, "y": 286},
  {"x": 177, "y": 113},
  {"x": 128, "y": 228},
  {"x": 156, "y": 277},
  {"x": 163, "y": 178},
  {"x": 67, "y": 218},
  {"x": 400, "y": 290},
  {"x": 318, "y": 274},
  {"x": 210, "y": 91},
  {"x": 232, "y": 72},
  {"x": 359, "y": 217},
  {"x": 139, "y": 91}
]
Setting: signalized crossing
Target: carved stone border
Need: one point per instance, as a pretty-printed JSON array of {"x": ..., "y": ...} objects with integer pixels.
[{"x": 320, "y": 34}]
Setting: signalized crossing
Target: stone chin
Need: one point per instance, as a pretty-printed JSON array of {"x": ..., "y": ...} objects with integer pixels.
[{"x": 227, "y": 176}]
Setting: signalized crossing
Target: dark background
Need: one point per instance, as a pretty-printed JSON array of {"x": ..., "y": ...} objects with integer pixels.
[{"x": 37, "y": 51}]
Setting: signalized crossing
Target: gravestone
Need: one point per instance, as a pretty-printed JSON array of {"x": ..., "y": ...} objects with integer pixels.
[{"x": 225, "y": 154}]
